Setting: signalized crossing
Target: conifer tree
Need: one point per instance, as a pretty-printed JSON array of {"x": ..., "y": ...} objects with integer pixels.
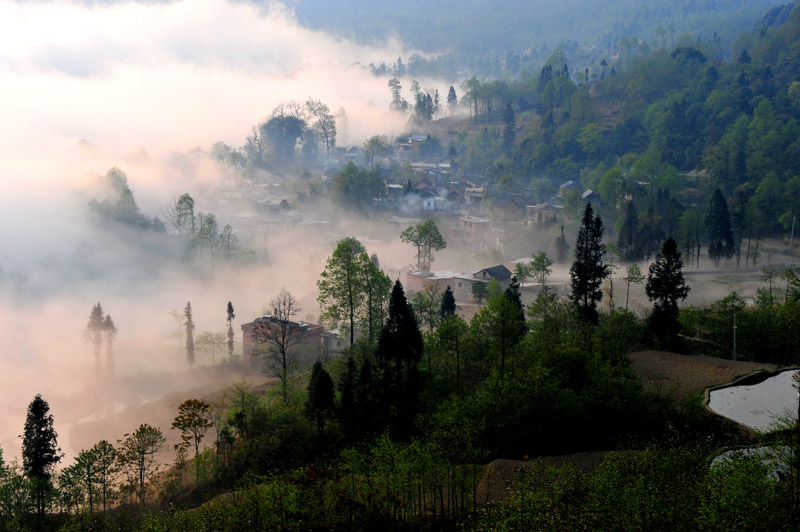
[
  {"x": 231, "y": 315},
  {"x": 94, "y": 334},
  {"x": 320, "y": 401},
  {"x": 588, "y": 271},
  {"x": 665, "y": 286},
  {"x": 399, "y": 351},
  {"x": 629, "y": 234},
  {"x": 40, "y": 452},
  {"x": 111, "y": 335},
  {"x": 448, "y": 303},
  {"x": 189, "y": 327},
  {"x": 562, "y": 248},
  {"x": 720, "y": 236}
]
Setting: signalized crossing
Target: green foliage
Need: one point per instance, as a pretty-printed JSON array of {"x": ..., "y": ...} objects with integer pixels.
[
  {"x": 320, "y": 397},
  {"x": 425, "y": 236},
  {"x": 40, "y": 452},
  {"x": 665, "y": 286},
  {"x": 588, "y": 270}
]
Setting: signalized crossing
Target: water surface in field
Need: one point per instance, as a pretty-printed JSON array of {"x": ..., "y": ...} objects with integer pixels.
[{"x": 759, "y": 406}]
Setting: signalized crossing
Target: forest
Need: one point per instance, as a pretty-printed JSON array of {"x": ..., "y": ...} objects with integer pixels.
[{"x": 687, "y": 154}]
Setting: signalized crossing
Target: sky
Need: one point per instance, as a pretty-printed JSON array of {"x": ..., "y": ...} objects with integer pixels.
[{"x": 147, "y": 88}]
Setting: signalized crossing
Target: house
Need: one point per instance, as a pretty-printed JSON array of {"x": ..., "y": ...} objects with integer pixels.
[
  {"x": 499, "y": 273},
  {"x": 566, "y": 187},
  {"x": 509, "y": 206},
  {"x": 590, "y": 196},
  {"x": 473, "y": 231},
  {"x": 459, "y": 283},
  {"x": 307, "y": 338},
  {"x": 543, "y": 214}
]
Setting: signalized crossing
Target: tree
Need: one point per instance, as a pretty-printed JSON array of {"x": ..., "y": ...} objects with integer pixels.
[
  {"x": 562, "y": 248},
  {"x": 448, "y": 307},
  {"x": 588, "y": 271},
  {"x": 451, "y": 334},
  {"x": 86, "y": 475},
  {"x": 399, "y": 351},
  {"x": 425, "y": 236},
  {"x": 229, "y": 320},
  {"x": 207, "y": 237},
  {"x": 106, "y": 467},
  {"x": 94, "y": 334},
  {"x": 189, "y": 328},
  {"x": 720, "y": 236},
  {"x": 398, "y": 103},
  {"x": 628, "y": 240},
  {"x": 110, "y": 331},
  {"x": 377, "y": 287},
  {"x": 509, "y": 128},
  {"x": 427, "y": 304},
  {"x": 452, "y": 100},
  {"x": 499, "y": 323},
  {"x": 193, "y": 421},
  {"x": 374, "y": 147},
  {"x": 209, "y": 341},
  {"x": 228, "y": 241},
  {"x": 540, "y": 267},
  {"x": 324, "y": 124},
  {"x": 479, "y": 290},
  {"x": 40, "y": 451},
  {"x": 633, "y": 275},
  {"x": 320, "y": 402},
  {"x": 665, "y": 286},
  {"x": 137, "y": 456},
  {"x": 340, "y": 284},
  {"x": 281, "y": 336}
]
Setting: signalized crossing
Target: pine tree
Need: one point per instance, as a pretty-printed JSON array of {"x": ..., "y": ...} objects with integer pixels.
[
  {"x": 588, "y": 271},
  {"x": 189, "y": 326},
  {"x": 629, "y": 234},
  {"x": 399, "y": 351},
  {"x": 562, "y": 248},
  {"x": 320, "y": 401},
  {"x": 665, "y": 286},
  {"x": 231, "y": 315},
  {"x": 40, "y": 452},
  {"x": 513, "y": 295},
  {"x": 448, "y": 304},
  {"x": 110, "y": 331},
  {"x": 510, "y": 129},
  {"x": 720, "y": 236},
  {"x": 94, "y": 334},
  {"x": 452, "y": 100}
]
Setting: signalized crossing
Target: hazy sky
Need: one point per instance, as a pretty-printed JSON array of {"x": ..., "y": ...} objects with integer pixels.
[{"x": 138, "y": 86}]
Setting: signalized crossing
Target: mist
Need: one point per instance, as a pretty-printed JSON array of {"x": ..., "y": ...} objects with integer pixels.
[{"x": 147, "y": 88}]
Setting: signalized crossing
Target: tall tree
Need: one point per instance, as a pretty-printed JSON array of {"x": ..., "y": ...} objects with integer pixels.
[
  {"x": 499, "y": 323},
  {"x": 137, "y": 456},
  {"x": 324, "y": 124},
  {"x": 340, "y": 286},
  {"x": 87, "y": 475},
  {"x": 399, "y": 352},
  {"x": 720, "y": 236},
  {"x": 588, "y": 271},
  {"x": 665, "y": 286},
  {"x": 281, "y": 335},
  {"x": 427, "y": 304},
  {"x": 188, "y": 326},
  {"x": 110, "y": 331},
  {"x": 479, "y": 291},
  {"x": 509, "y": 128},
  {"x": 94, "y": 334},
  {"x": 448, "y": 306},
  {"x": 425, "y": 236},
  {"x": 541, "y": 266},
  {"x": 106, "y": 467},
  {"x": 229, "y": 320},
  {"x": 452, "y": 100},
  {"x": 629, "y": 234},
  {"x": 320, "y": 397},
  {"x": 562, "y": 247},
  {"x": 193, "y": 421},
  {"x": 633, "y": 275},
  {"x": 40, "y": 451},
  {"x": 377, "y": 287},
  {"x": 211, "y": 341},
  {"x": 375, "y": 146}
]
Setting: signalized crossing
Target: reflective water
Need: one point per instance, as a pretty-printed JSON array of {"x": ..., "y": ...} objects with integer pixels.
[{"x": 759, "y": 406}]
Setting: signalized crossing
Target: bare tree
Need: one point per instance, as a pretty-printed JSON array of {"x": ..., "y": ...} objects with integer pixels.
[
  {"x": 324, "y": 123},
  {"x": 209, "y": 341},
  {"x": 280, "y": 336}
]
